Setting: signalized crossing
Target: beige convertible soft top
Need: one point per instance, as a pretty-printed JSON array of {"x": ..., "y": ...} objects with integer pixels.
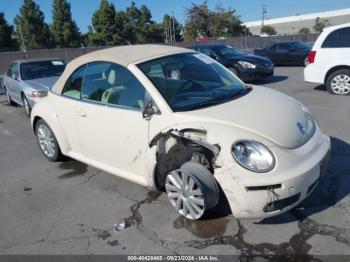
[{"x": 123, "y": 55}]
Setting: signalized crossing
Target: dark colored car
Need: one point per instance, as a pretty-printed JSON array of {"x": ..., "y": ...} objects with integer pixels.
[
  {"x": 286, "y": 53},
  {"x": 246, "y": 67}
]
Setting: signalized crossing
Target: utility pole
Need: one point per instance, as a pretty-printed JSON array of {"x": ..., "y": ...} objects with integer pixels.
[
  {"x": 173, "y": 26},
  {"x": 264, "y": 12}
]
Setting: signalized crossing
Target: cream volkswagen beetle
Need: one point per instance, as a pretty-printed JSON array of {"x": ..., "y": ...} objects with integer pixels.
[{"x": 176, "y": 120}]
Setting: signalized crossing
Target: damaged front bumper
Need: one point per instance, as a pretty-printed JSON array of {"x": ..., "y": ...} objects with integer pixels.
[{"x": 276, "y": 193}]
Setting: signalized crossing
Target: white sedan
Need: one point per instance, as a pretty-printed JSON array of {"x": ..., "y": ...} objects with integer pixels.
[{"x": 176, "y": 120}]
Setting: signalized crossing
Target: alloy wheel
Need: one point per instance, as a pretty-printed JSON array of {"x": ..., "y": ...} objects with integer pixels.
[
  {"x": 340, "y": 84},
  {"x": 46, "y": 140},
  {"x": 185, "y": 194},
  {"x": 26, "y": 106}
]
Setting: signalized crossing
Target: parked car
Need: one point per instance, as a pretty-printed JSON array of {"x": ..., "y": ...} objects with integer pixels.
[
  {"x": 329, "y": 60},
  {"x": 286, "y": 53},
  {"x": 2, "y": 90},
  {"x": 28, "y": 81},
  {"x": 174, "y": 119},
  {"x": 246, "y": 67}
]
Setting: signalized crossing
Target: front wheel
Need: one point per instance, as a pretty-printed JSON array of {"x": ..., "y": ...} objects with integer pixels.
[
  {"x": 192, "y": 190},
  {"x": 338, "y": 83},
  {"x": 47, "y": 141},
  {"x": 26, "y": 105}
]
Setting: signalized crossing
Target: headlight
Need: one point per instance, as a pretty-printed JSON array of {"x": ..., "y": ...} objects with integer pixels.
[
  {"x": 38, "y": 94},
  {"x": 310, "y": 125},
  {"x": 253, "y": 156},
  {"x": 246, "y": 64}
]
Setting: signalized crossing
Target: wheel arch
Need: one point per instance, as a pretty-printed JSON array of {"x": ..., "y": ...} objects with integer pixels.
[
  {"x": 335, "y": 68},
  {"x": 43, "y": 110}
]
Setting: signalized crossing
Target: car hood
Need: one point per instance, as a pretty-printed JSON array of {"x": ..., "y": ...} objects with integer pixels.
[
  {"x": 255, "y": 59},
  {"x": 263, "y": 112},
  {"x": 42, "y": 83}
]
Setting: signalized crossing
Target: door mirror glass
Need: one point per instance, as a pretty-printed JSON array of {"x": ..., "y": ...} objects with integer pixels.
[{"x": 14, "y": 76}]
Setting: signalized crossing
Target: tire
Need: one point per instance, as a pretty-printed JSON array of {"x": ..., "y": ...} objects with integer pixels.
[
  {"x": 338, "y": 83},
  {"x": 9, "y": 100},
  {"x": 47, "y": 141},
  {"x": 202, "y": 195},
  {"x": 26, "y": 105}
]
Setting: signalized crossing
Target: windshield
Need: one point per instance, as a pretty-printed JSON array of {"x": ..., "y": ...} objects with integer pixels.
[
  {"x": 191, "y": 81},
  {"x": 41, "y": 69},
  {"x": 227, "y": 51}
]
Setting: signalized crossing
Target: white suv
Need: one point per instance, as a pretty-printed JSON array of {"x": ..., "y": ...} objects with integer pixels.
[{"x": 329, "y": 60}]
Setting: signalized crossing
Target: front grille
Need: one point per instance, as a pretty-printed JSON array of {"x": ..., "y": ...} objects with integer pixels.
[
  {"x": 281, "y": 203},
  {"x": 268, "y": 187}
]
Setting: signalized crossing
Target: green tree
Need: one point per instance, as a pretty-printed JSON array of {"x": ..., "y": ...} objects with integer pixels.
[
  {"x": 172, "y": 28},
  {"x": 31, "y": 28},
  {"x": 64, "y": 30},
  {"x": 6, "y": 30},
  {"x": 320, "y": 24},
  {"x": 267, "y": 29},
  {"x": 220, "y": 22},
  {"x": 103, "y": 27},
  {"x": 304, "y": 30}
]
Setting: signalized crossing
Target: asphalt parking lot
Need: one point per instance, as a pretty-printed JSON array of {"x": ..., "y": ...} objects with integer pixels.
[{"x": 70, "y": 208}]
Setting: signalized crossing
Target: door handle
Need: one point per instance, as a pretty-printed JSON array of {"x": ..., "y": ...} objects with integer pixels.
[{"x": 81, "y": 113}]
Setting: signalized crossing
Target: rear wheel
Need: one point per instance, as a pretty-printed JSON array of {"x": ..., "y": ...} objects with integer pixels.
[
  {"x": 47, "y": 141},
  {"x": 8, "y": 98},
  {"x": 338, "y": 82},
  {"x": 192, "y": 190},
  {"x": 26, "y": 105}
]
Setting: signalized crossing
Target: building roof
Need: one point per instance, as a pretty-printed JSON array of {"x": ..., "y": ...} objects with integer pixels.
[{"x": 297, "y": 18}]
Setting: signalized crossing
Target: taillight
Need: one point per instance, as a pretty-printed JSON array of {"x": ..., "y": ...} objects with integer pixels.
[{"x": 311, "y": 57}]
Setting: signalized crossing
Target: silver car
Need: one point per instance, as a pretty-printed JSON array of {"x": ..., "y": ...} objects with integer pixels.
[{"x": 27, "y": 81}]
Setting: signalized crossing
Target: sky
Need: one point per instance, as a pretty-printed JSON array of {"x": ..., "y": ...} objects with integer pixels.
[{"x": 249, "y": 10}]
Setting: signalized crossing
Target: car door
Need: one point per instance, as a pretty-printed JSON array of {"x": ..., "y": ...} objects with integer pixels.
[
  {"x": 111, "y": 127},
  {"x": 12, "y": 82},
  {"x": 272, "y": 53},
  {"x": 283, "y": 54}
]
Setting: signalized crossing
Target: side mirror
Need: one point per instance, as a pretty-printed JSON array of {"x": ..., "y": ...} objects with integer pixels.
[
  {"x": 150, "y": 109},
  {"x": 15, "y": 77}
]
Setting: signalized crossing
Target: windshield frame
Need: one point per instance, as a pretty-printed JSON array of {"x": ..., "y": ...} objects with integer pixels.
[
  {"x": 240, "y": 83},
  {"x": 24, "y": 63}
]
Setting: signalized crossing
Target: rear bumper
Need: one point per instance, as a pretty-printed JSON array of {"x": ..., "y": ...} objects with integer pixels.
[
  {"x": 313, "y": 74},
  {"x": 256, "y": 73}
]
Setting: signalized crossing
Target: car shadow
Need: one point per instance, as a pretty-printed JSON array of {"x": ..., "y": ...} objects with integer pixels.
[
  {"x": 321, "y": 88},
  {"x": 269, "y": 80},
  {"x": 331, "y": 190}
]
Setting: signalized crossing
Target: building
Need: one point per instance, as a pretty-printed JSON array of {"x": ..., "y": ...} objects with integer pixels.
[{"x": 292, "y": 24}]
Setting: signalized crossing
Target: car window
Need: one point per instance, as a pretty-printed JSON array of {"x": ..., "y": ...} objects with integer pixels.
[
  {"x": 339, "y": 38},
  {"x": 283, "y": 47},
  {"x": 298, "y": 46},
  {"x": 72, "y": 87},
  {"x": 42, "y": 69},
  {"x": 205, "y": 50},
  {"x": 13, "y": 70},
  {"x": 112, "y": 84},
  {"x": 190, "y": 81}
]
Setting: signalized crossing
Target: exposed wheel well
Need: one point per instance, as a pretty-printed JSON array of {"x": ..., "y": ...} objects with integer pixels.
[
  {"x": 36, "y": 119},
  {"x": 182, "y": 151},
  {"x": 332, "y": 70}
]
